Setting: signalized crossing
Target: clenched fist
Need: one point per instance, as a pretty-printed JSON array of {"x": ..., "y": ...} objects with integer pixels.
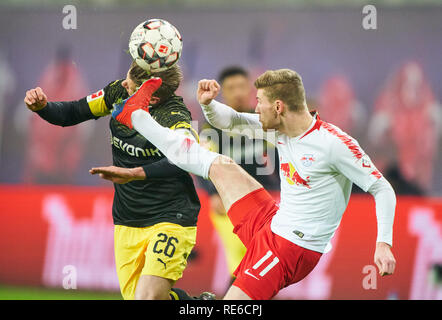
[
  {"x": 207, "y": 91},
  {"x": 35, "y": 99}
]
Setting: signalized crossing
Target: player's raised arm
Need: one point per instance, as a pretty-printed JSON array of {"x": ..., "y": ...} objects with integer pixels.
[
  {"x": 69, "y": 113},
  {"x": 66, "y": 113},
  {"x": 226, "y": 118}
]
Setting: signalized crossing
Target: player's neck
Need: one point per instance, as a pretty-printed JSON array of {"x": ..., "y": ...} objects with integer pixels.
[{"x": 296, "y": 123}]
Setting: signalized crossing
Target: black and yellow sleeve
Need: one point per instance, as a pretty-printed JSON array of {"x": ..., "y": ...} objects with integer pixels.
[
  {"x": 94, "y": 106},
  {"x": 101, "y": 102},
  {"x": 66, "y": 113}
]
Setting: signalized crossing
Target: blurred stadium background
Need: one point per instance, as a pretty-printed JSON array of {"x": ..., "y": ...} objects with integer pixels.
[{"x": 382, "y": 86}]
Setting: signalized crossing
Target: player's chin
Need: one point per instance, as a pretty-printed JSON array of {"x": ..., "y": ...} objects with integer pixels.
[
  {"x": 263, "y": 124},
  {"x": 266, "y": 126}
]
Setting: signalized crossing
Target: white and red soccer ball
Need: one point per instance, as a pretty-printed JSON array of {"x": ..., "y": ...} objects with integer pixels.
[{"x": 155, "y": 45}]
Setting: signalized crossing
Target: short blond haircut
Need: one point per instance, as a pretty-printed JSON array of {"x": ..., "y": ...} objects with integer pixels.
[{"x": 285, "y": 85}]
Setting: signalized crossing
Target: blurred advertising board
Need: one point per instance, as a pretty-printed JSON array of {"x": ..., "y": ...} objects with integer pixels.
[{"x": 48, "y": 231}]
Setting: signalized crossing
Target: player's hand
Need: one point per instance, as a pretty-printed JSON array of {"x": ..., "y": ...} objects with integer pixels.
[
  {"x": 207, "y": 91},
  {"x": 35, "y": 99},
  {"x": 119, "y": 175},
  {"x": 384, "y": 259}
]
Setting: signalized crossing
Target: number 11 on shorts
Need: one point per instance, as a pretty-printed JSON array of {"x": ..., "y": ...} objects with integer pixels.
[{"x": 261, "y": 262}]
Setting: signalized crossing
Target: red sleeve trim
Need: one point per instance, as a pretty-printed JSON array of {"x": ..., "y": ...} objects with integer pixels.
[
  {"x": 377, "y": 174},
  {"x": 344, "y": 138}
]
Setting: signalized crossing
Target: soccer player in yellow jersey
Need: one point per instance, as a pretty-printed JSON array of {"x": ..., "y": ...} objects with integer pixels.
[{"x": 155, "y": 206}]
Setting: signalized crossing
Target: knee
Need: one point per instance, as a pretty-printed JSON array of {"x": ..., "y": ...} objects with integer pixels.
[
  {"x": 225, "y": 160},
  {"x": 223, "y": 165},
  {"x": 220, "y": 164}
]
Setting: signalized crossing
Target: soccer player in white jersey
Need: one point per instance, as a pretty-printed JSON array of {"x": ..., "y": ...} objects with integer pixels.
[{"x": 318, "y": 165}]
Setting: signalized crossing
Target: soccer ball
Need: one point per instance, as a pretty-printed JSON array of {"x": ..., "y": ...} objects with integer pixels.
[{"x": 155, "y": 45}]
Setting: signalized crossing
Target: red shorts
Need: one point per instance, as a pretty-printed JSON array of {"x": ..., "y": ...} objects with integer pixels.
[{"x": 271, "y": 262}]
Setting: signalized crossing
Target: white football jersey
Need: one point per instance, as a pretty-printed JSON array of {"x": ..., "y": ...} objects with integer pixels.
[{"x": 317, "y": 170}]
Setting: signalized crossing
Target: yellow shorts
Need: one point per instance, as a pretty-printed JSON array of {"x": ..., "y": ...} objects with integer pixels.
[{"x": 160, "y": 250}]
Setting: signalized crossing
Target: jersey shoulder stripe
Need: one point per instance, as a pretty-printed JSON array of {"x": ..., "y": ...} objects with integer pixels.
[{"x": 344, "y": 138}]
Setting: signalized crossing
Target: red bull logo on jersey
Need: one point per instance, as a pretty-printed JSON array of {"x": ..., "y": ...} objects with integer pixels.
[
  {"x": 292, "y": 176},
  {"x": 307, "y": 160}
]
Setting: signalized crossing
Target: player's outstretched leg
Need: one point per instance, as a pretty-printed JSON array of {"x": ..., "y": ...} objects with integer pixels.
[
  {"x": 231, "y": 181},
  {"x": 122, "y": 111}
]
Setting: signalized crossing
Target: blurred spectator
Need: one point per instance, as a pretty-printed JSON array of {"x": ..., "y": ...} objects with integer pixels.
[
  {"x": 338, "y": 105},
  {"x": 7, "y": 86},
  {"x": 236, "y": 92},
  {"x": 54, "y": 153},
  {"x": 404, "y": 128}
]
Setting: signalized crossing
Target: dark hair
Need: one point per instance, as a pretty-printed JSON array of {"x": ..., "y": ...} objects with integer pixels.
[
  {"x": 171, "y": 79},
  {"x": 231, "y": 71}
]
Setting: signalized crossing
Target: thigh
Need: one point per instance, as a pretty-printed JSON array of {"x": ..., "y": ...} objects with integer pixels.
[
  {"x": 168, "y": 249},
  {"x": 130, "y": 244},
  {"x": 231, "y": 181}
]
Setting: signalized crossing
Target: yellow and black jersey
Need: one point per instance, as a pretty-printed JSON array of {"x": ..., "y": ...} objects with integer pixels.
[{"x": 141, "y": 203}]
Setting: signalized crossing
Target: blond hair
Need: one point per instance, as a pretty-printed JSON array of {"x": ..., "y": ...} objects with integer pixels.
[{"x": 285, "y": 85}]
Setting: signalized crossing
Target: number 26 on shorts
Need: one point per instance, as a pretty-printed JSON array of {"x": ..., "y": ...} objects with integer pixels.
[{"x": 169, "y": 247}]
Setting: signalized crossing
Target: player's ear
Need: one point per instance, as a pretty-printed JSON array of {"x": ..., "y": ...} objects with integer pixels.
[{"x": 279, "y": 106}]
